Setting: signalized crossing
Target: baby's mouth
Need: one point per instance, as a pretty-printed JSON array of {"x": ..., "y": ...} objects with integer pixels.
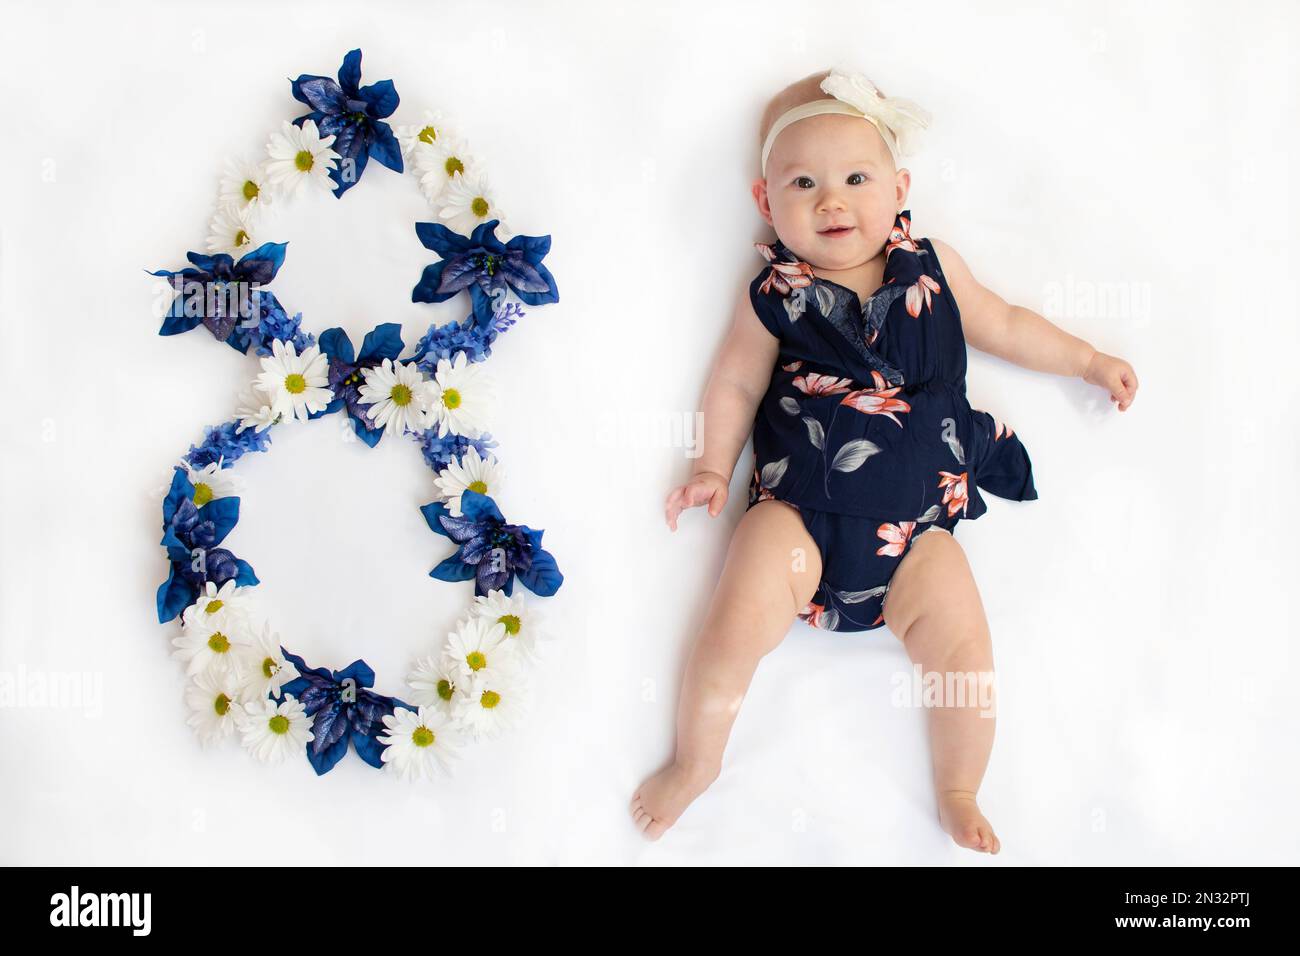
[{"x": 835, "y": 232}]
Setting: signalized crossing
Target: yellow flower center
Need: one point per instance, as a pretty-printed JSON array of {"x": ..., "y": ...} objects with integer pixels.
[
  {"x": 218, "y": 643},
  {"x": 511, "y": 621},
  {"x": 215, "y": 604},
  {"x": 303, "y": 161},
  {"x": 422, "y": 736},
  {"x": 241, "y": 238},
  {"x": 221, "y": 705},
  {"x": 453, "y": 166},
  {"x": 428, "y": 134},
  {"x": 279, "y": 724},
  {"x": 202, "y": 495},
  {"x": 476, "y": 660},
  {"x": 451, "y": 398},
  {"x": 294, "y": 383},
  {"x": 269, "y": 668},
  {"x": 250, "y": 190},
  {"x": 445, "y": 689},
  {"x": 490, "y": 698},
  {"x": 479, "y": 486},
  {"x": 480, "y": 206},
  {"x": 401, "y": 395}
]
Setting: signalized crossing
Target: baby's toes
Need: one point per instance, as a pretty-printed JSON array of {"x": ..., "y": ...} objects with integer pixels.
[{"x": 655, "y": 829}]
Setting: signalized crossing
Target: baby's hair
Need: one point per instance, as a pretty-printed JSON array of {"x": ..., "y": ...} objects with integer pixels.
[
  {"x": 807, "y": 90},
  {"x": 797, "y": 93}
]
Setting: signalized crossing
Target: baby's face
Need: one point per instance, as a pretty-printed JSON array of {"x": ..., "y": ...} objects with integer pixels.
[{"x": 832, "y": 192}]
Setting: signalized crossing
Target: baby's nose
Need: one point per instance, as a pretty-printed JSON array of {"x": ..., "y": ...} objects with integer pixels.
[{"x": 829, "y": 200}]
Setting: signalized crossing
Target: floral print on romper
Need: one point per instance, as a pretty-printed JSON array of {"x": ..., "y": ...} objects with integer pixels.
[{"x": 865, "y": 427}]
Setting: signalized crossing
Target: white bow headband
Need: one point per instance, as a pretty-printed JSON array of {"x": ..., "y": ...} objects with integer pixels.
[{"x": 900, "y": 121}]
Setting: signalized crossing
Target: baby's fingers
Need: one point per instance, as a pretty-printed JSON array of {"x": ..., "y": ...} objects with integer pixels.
[
  {"x": 1123, "y": 388},
  {"x": 673, "y": 507}
]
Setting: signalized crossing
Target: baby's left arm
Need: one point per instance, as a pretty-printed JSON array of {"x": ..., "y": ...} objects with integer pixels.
[{"x": 1024, "y": 337}]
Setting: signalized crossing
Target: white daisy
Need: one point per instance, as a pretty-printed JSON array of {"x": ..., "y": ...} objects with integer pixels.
[
  {"x": 439, "y": 163},
  {"x": 213, "y": 710},
  {"x": 218, "y": 608},
  {"x": 470, "y": 473},
  {"x": 399, "y": 394},
  {"x": 522, "y": 621},
  {"x": 230, "y": 231},
  {"x": 244, "y": 186},
  {"x": 434, "y": 683},
  {"x": 255, "y": 411},
  {"x": 206, "y": 647},
  {"x": 297, "y": 154},
  {"x": 479, "y": 646},
  {"x": 466, "y": 201},
  {"x": 420, "y": 744},
  {"x": 274, "y": 731},
  {"x": 416, "y": 136},
  {"x": 461, "y": 398},
  {"x": 212, "y": 482},
  {"x": 296, "y": 385},
  {"x": 490, "y": 703},
  {"x": 262, "y": 668}
]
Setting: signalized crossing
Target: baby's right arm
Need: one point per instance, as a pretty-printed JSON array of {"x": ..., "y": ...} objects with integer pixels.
[{"x": 740, "y": 376}]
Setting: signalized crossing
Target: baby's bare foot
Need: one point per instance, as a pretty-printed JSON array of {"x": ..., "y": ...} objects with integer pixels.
[
  {"x": 961, "y": 818},
  {"x": 661, "y": 799}
]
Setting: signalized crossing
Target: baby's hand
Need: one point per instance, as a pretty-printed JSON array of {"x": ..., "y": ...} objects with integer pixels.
[
  {"x": 1115, "y": 375},
  {"x": 707, "y": 486}
]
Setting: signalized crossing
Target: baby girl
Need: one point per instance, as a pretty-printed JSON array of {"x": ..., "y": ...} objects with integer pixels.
[{"x": 847, "y": 357}]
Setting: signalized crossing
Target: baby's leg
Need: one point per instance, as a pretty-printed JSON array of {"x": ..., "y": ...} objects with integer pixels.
[
  {"x": 934, "y": 608},
  {"x": 771, "y": 572}
]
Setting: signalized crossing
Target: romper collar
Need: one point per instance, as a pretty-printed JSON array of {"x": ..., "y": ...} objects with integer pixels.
[{"x": 902, "y": 256}]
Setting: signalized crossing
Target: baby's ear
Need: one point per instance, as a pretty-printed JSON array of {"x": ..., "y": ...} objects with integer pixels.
[
  {"x": 759, "y": 190},
  {"x": 902, "y": 186}
]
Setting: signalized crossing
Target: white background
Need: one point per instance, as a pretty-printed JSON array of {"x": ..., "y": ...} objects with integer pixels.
[{"x": 1142, "y": 610}]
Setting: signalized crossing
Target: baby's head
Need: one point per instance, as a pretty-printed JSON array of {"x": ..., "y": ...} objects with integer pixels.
[{"x": 831, "y": 188}]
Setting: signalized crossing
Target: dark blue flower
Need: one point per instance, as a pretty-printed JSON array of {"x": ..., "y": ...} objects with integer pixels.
[
  {"x": 341, "y": 709},
  {"x": 226, "y": 444},
  {"x": 491, "y": 551},
  {"x": 382, "y": 342},
  {"x": 486, "y": 266},
  {"x": 223, "y": 294},
  {"x": 191, "y": 535},
  {"x": 353, "y": 115},
  {"x": 441, "y": 452}
]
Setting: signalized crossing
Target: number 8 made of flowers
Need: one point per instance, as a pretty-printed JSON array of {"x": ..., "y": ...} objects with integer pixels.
[{"x": 241, "y": 682}]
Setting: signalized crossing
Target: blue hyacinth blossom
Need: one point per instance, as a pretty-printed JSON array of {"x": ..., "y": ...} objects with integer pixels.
[
  {"x": 229, "y": 290},
  {"x": 441, "y": 452},
  {"x": 342, "y": 710},
  {"x": 486, "y": 266},
  {"x": 225, "y": 444},
  {"x": 345, "y": 372},
  {"x": 353, "y": 115},
  {"x": 491, "y": 551},
  {"x": 191, "y": 535}
]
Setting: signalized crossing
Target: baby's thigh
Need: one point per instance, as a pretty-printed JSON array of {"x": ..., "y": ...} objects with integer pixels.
[
  {"x": 933, "y": 599},
  {"x": 772, "y": 559}
]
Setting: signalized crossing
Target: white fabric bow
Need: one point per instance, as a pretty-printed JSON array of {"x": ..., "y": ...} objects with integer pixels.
[{"x": 903, "y": 118}]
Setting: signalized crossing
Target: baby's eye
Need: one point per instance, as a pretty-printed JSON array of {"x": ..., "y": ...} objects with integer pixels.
[
  {"x": 856, "y": 179},
  {"x": 804, "y": 182}
]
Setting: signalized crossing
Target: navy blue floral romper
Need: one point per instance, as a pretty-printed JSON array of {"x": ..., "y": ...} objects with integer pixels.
[{"x": 865, "y": 427}]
